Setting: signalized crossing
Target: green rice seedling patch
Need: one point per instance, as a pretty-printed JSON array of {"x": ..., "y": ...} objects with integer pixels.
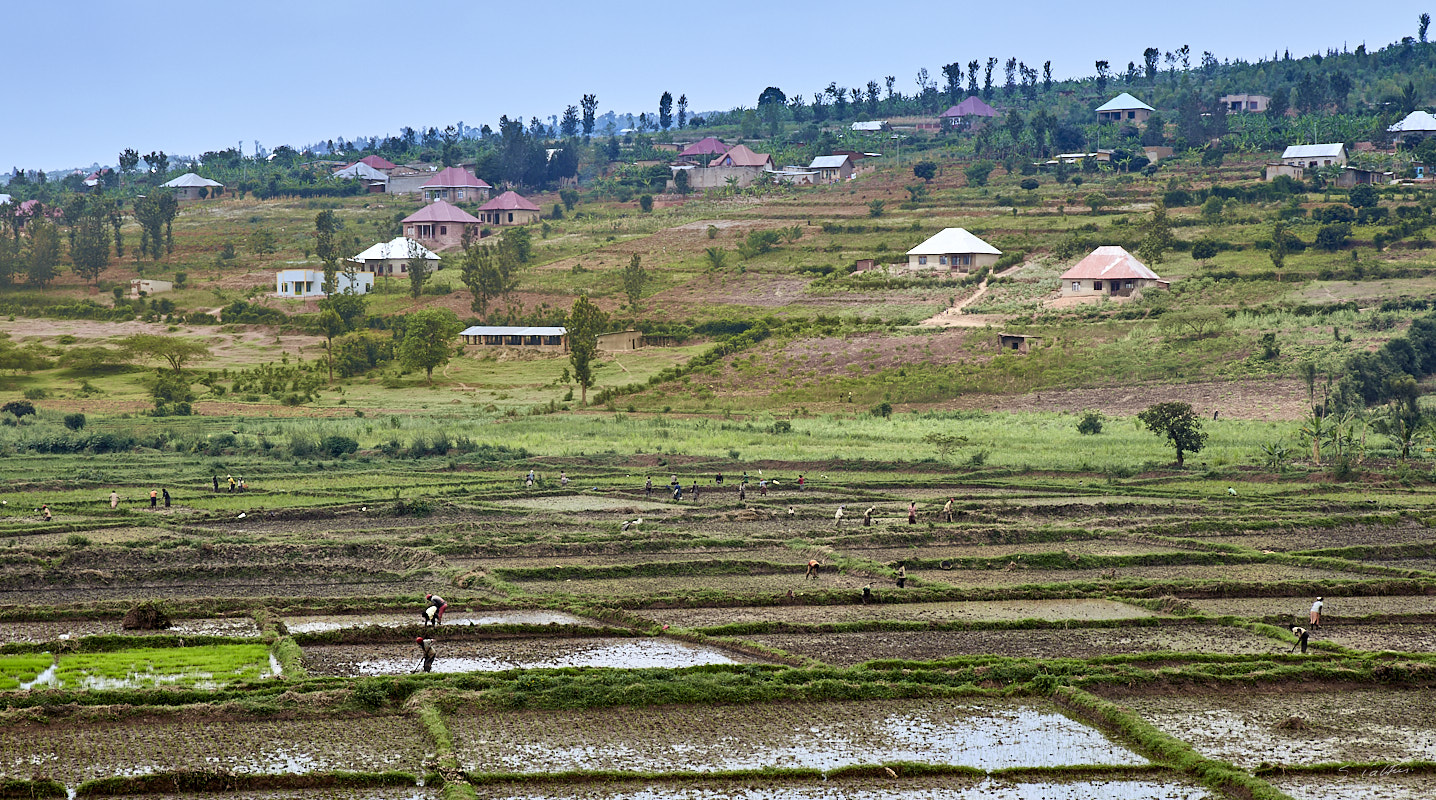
[
  {"x": 22, "y": 670},
  {"x": 986, "y": 734},
  {"x": 328, "y": 793},
  {"x": 497, "y": 655},
  {"x": 48, "y": 631},
  {"x": 1377, "y": 783},
  {"x": 207, "y": 667},
  {"x": 74, "y": 753},
  {"x": 1279, "y": 610},
  {"x": 585, "y": 502},
  {"x": 963, "y": 611},
  {"x": 920, "y": 787},
  {"x": 848, "y": 649},
  {"x": 1248, "y": 729}
]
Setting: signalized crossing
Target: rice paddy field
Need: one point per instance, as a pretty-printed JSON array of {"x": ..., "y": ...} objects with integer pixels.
[{"x": 1068, "y": 635}]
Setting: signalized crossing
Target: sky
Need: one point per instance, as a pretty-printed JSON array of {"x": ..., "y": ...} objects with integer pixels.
[{"x": 92, "y": 77}]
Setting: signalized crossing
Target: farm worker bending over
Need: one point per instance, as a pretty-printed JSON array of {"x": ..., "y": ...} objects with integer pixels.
[
  {"x": 427, "y": 651},
  {"x": 1316, "y": 613},
  {"x": 868, "y": 517},
  {"x": 434, "y": 613},
  {"x": 912, "y": 513},
  {"x": 166, "y": 493},
  {"x": 114, "y": 499},
  {"x": 901, "y": 575},
  {"x": 1301, "y": 635},
  {"x": 947, "y": 510},
  {"x": 812, "y": 569}
]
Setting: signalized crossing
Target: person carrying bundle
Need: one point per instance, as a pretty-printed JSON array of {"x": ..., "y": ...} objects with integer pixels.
[
  {"x": 434, "y": 612},
  {"x": 427, "y": 652}
]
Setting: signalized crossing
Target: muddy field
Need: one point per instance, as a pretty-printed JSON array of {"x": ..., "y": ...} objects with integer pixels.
[
  {"x": 1322, "y": 538},
  {"x": 974, "y": 611},
  {"x": 75, "y": 753},
  {"x": 1402, "y": 638},
  {"x": 275, "y": 586},
  {"x": 1080, "y": 547},
  {"x": 848, "y": 649},
  {"x": 777, "y": 555},
  {"x": 1333, "y": 608},
  {"x": 982, "y": 734},
  {"x": 62, "y": 629},
  {"x": 1018, "y": 576},
  {"x": 945, "y": 788},
  {"x": 494, "y": 655},
  {"x": 1249, "y": 729},
  {"x": 645, "y": 586}
]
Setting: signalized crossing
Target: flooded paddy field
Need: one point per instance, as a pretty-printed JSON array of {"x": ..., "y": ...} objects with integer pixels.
[
  {"x": 847, "y": 649},
  {"x": 960, "y": 611},
  {"x": 1375, "y": 784},
  {"x": 1019, "y": 576},
  {"x": 72, "y": 754},
  {"x": 776, "y": 555},
  {"x": 955, "y": 550},
  {"x": 48, "y": 631},
  {"x": 1297, "y": 608},
  {"x": 945, "y": 788},
  {"x": 452, "y": 618},
  {"x": 331, "y": 793},
  {"x": 494, "y": 655},
  {"x": 980, "y": 733},
  {"x": 284, "y": 585},
  {"x": 1248, "y": 729},
  {"x": 646, "y": 585}
]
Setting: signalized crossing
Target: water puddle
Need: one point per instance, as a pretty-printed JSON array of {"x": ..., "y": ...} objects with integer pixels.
[
  {"x": 44, "y": 679},
  {"x": 973, "y": 610},
  {"x": 49, "y": 631},
  {"x": 985, "y": 735},
  {"x": 1390, "y": 783},
  {"x": 320, "y": 624},
  {"x": 494, "y": 656}
]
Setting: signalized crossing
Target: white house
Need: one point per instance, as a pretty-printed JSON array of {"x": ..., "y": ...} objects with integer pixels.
[
  {"x": 1417, "y": 123},
  {"x": 832, "y": 169},
  {"x": 190, "y": 186},
  {"x": 310, "y": 283},
  {"x": 1124, "y": 108},
  {"x": 872, "y": 126},
  {"x": 1312, "y": 156},
  {"x": 393, "y": 257},
  {"x": 953, "y": 250}
]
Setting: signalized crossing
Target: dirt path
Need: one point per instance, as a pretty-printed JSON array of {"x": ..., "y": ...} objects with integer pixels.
[{"x": 954, "y": 318}]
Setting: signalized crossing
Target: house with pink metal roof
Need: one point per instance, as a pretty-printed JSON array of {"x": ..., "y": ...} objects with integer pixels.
[
  {"x": 440, "y": 225},
  {"x": 742, "y": 156},
  {"x": 1110, "y": 271},
  {"x": 456, "y": 185},
  {"x": 509, "y": 208},
  {"x": 377, "y": 162},
  {"x": 705, "y": 149},
  {"x": 969, "y": 112}
]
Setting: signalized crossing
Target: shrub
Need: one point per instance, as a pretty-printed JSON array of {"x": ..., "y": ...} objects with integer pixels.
[
  {"x": 36, "y": 394},
  {"x": 147, "y": 616},
  {"x": 883, "y": 409},
  {"x": 77, "y": 540},
  {"x": 1090, "y": 424},
  {"x": 1333, "y": 237},
  {"x": 336, "y": 445},
  {"x": 18, "y": 408},
  {"x": 75, "y": 421},
  {"x": 645, "y": 203}
]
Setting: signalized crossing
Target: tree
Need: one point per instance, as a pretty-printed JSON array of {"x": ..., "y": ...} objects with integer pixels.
[
  {"x": 1279, "y": 103},
  {"x": 953, "y": 73},
  {"x": 634, "y": 279},
  {"x": 1157, "y": 236},
  {"x": 1204, "y": 249},
  {"x": 1277, "y": 253},
  {"x": 1423, "y": 22},
  {"x": 159, "y": 163},
  {"x": 326, "y": 225},
  {"x": 129, "y": 161},
  {"x": 926, "y": 170},
  {"x": 1096, "y": 200},
  {"x": 681, "y": 183},
  {"x": 155, "y": 213},
  {"x": 589, "y": 104},
  {"x": 665, "y": 111},
  {"x": 90, "y": 253},
  {"x": 418, "y": 269},
  {"x": 1179, "y": 424},
  {"x": 1194, "y": 321},
  {"x": 978, "y": 172},
  {"x": 570, "y": 124},
  {"x": 1363, "y": 196},
  {"x": 944, "y": 443},
  {"x": 1090, "y": 424},
  {"x": 1149, "y": 63},
  {"x": 682, "y": 110},
  {"x": 1104, "y": 68},
  {"x": 1333, "y": 237},
  {"x": 428, "y": 340},
  {"x": 332, "y": 325},
  {"x": 585, "y": 322},
  {"x": 44, "y": 256},
  {"x": 876, "y": 208},
  {"x": 491, "y": 271},
  {"x": 172, "y": 350}
]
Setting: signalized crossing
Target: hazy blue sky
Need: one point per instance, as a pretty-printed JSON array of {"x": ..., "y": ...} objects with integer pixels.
[{"x": 89, "y": 77}]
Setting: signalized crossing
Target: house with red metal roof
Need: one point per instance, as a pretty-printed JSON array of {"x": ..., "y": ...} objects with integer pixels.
[
  {"x": 1110, "y": 271},
  {"x": 377, "y": 162},
  {"x": 509, "y": 208},
  {"x": 456, "y": 185},
  {"x": 440, "y": 225}
]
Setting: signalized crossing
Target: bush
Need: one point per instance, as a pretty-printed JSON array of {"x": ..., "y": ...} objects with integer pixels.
[
  {"x": 18, "y": 408},
  {"x": 36, "y": 394},
  {"x": 336, "y": 445},
  {"x": 1090, "y": 424},
  {"x": 883, "y": 409},
  {"x": 147, "y": 616},
  {"x": 1333, "y": 237},
  {"x": 645, "y": 203},
  {"x": 75, "y": 421}
]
